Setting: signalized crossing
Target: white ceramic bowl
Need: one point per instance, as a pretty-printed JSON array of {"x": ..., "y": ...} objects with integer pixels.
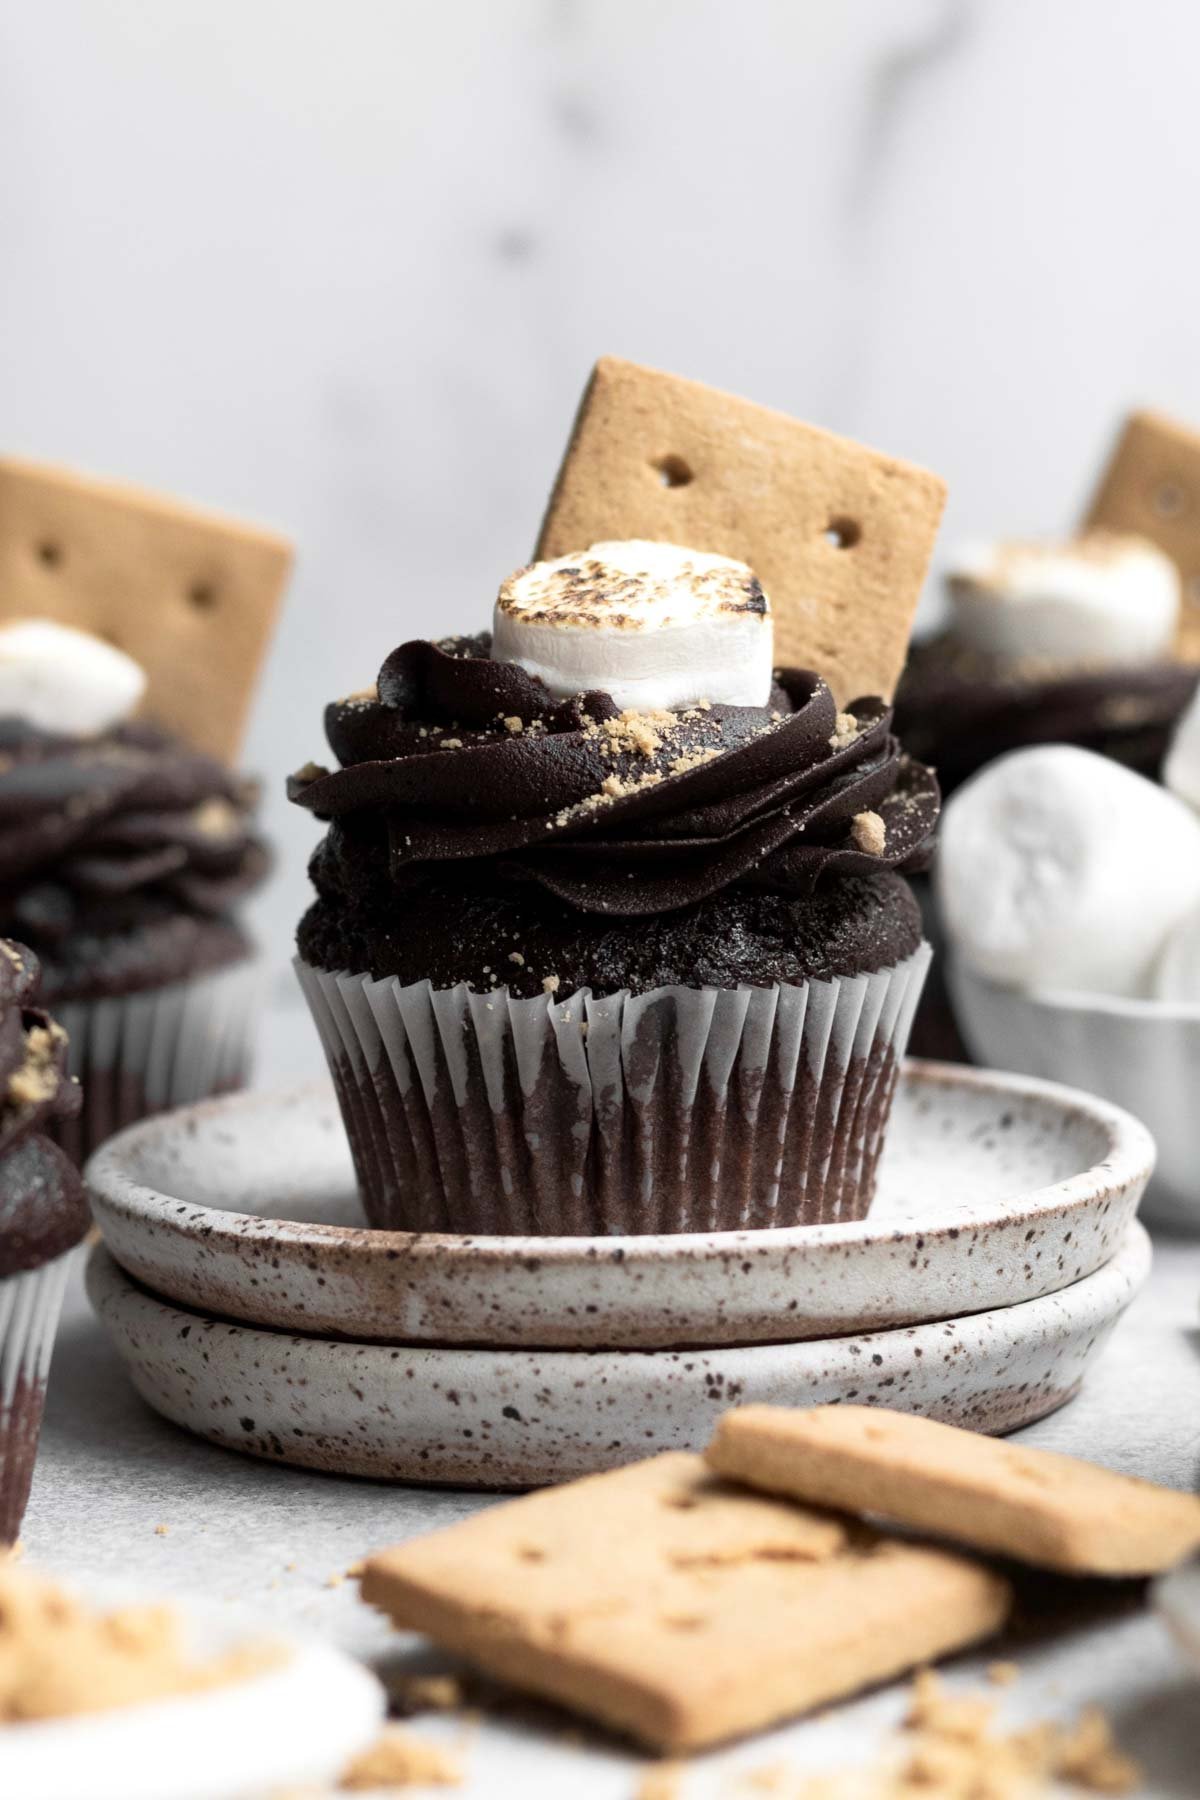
[
  {"x": 1142, "y": 1054},
  {"x": 1177, "y": 1597},
  {"x": 295, "y": 1724}
]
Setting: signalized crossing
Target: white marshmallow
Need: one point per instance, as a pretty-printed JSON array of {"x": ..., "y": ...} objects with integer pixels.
[
  {"x": 1061, "y": 869},
  {"x": 1100, "y": 598},
  {"x": 59, "y": 679},
  {"x": 1177, "y": 971},
  {"x": 654, "y": 625},
  {"x": 1181, "y": 770}
]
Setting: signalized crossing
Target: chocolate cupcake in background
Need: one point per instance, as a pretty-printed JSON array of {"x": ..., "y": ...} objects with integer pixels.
[
  {"x": 124, "y": 855},
  {"x": 610, "y": 934},
  {"x": 43, "y": 1218},
  {"x": 1066, "y": 643}
]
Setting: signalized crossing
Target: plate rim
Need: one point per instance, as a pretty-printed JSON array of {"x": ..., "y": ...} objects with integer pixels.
[
  {"x": 1135, "y": 1251},
  {"x": 1129, "y": 1157}
]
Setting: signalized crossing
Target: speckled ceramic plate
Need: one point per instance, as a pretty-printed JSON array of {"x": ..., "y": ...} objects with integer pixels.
[
  {"x": 994, "y": 1189},
  {"x": 512, "y": 1418}
]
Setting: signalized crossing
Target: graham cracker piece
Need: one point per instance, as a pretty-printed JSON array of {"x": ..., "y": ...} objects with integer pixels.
[
  {"x": 669, "y": 1605},
  {"x": 191, "y": 596},
  {"x": 1151, "y": 487},
  {"x": 839, "y": 536},
  {"x": 1036, "y": 1506}
]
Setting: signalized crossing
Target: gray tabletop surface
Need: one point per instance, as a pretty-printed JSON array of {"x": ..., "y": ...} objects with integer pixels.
[{"x": 278, "y": 1541}]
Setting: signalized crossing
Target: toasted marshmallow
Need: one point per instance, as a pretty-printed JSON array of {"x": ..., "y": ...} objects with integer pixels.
[
  {"x": 1060, "y": 869},
  {"x": 654, "y": 625},
  {"x": 1099, "y": 598},
  {"x": 62, "y": 680},
  {"x": 1181, "y": 770}
]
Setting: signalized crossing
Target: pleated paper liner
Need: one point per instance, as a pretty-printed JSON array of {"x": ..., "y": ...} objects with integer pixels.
[
  {"x": 30, "y": 1304},
  {"x": 146, "y": 1052},
  {"x": 683, "y": 1109}
]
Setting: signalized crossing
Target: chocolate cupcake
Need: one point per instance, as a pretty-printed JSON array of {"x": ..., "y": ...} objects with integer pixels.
[
  {"x": 43, "y": 1218},
  {"x": 1049, "y": 643},
  {"x": 123, "y": 857},
  {"x": 609, "y": 934}
]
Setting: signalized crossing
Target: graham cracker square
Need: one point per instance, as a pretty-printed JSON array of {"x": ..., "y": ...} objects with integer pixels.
[
  {"x": 191, "y": 596},
  {"x": 840, "y": 536},
  {"x": 1151, "y": 486}
]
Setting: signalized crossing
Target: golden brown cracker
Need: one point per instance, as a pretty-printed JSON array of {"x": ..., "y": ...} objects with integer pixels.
[
  {"x": 1151, "y": 487},
  {"x": 669, "y": 1605},
  {"x": 1033, "y": 1505},
  {"x": 191, "y": 596},
  {"x": 839, "y": 536}
]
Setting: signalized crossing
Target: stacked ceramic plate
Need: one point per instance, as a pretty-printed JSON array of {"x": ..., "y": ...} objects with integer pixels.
[{"x": 250, "y": 1305}]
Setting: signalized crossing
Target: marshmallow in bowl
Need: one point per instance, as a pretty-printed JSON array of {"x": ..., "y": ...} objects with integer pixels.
[
  {"x": 654, "y": 625},
  {"x": 66, "y": 681},
  {"x": 1181, "y": 770},
  {"x": 1059, "y": 868},
  {"x": 1098, "y": 598}
]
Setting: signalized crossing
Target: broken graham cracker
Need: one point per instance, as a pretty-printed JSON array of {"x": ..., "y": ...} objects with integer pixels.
[
  {"x": 671, "y": 1606},
  {"x": 1151, "y": 487},
  {"x": 190, "y": 596},
  {"x": 839, "y": 535},
  {"x": 1032, "y": 1505}
]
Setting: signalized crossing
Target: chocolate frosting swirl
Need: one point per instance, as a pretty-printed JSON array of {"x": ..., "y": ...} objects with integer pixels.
[
  {"x": 42, "y": 1206},
  {"x": 459, "y": 760},
  {"x": 103, "y": 835}
]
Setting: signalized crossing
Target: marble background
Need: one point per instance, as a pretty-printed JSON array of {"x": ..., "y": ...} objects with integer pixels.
[{"x": 343, "y": 267}]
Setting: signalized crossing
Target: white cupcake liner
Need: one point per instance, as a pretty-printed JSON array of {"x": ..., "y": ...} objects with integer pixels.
[
  {"x": 146, "y": 1052},
  {"x": 683, "y": 1109},
  {"x": 30, "y": 1304}
]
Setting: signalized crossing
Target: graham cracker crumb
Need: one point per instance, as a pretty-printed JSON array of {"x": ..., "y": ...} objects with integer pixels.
[
  {"x": 869, "y": 833},
  {"x": 845, "y": 731},
  {"x": 551, "y": 984},
  {"x": 426, "y": 1693},
  {"x": 451, "y": 744},
  {"x": 162, "y": 1530},
  {"x": 398, "y": 1759},
  {"x": 692, "y": 759},
  {"x": 59, "y": 1658},
  {"x": 661, "y": 1782},
  {"x": 949, "y": 1751},
  {"x": 515, "y": 724},
  {"x": 216, "y": 818},
  {"x": 37, "y": 1079},
  {"x": 514, "y": 956}
]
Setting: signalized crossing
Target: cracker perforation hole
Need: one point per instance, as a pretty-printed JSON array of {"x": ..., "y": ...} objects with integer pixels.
[
  {"x": 202, "y": 595},
  {"x": 1168, "y": 500},
  {"x": 49, "y": 553},
  {"x": 672, "y": 471},
  {"x": 843, "y": 533}
]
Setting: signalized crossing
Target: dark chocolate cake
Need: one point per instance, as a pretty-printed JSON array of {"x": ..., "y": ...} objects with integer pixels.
[
  {"x": 485, "y": 839},
  {"x": 43, "y": 1215}
]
